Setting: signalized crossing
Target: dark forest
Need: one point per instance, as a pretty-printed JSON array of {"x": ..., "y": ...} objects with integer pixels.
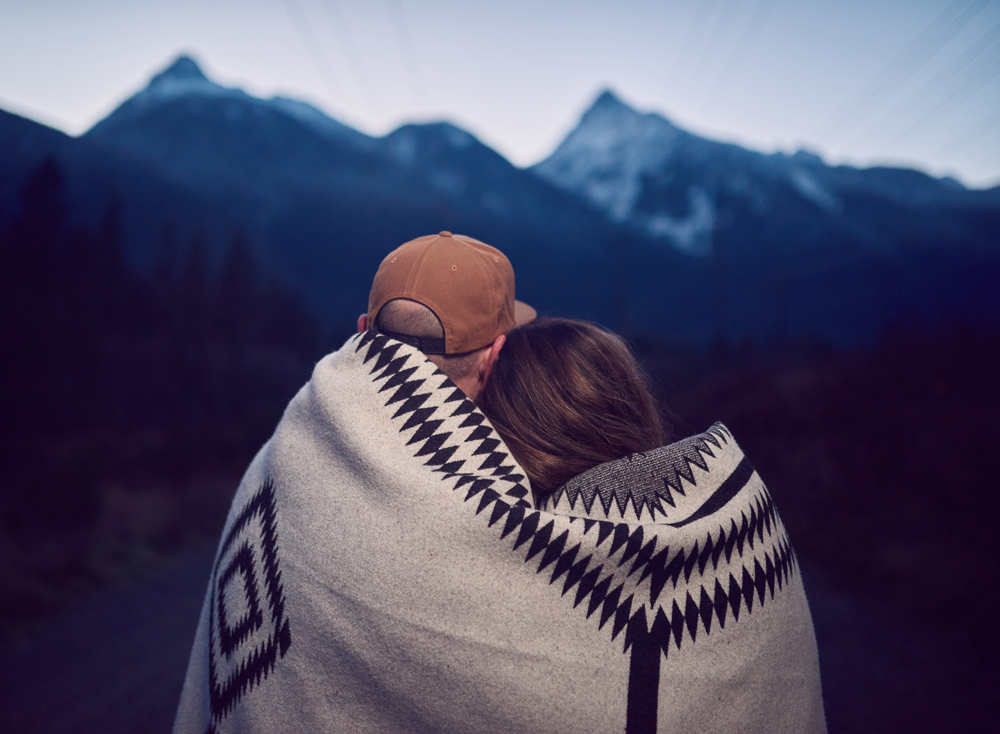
[{"x": 134, "y": 399}]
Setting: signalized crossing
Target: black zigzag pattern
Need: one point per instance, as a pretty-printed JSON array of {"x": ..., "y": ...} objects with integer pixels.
[
  {"x": 692, "y": 451},
  {"x": 256, "y": 665},
  {"x": 757, "y": 573},
  {"x": 672, "y": 464},
  {"x": 605, "y": 595},
  {"x": 407, "y": 396}
]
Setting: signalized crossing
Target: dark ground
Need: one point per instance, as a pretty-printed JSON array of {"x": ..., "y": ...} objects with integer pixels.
[
  {"x": 115, "y": 662},
  {"x": 880, "y": 463}
]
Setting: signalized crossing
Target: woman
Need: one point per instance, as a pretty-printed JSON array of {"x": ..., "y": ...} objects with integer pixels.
[
  {"x": 566, "y": 396},
  {"x": 694, "y": 539}
]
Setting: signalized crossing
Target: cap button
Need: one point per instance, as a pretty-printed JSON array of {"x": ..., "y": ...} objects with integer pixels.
[{"x": 444, "y": 234}]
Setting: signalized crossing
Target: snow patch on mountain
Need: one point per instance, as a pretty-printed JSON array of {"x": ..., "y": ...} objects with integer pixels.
[
  {"x": 605, "y": 157},
  {"x": 810, "y": 188},
  {"x": 691, "y": 234},
  {"x": 402, "y": 146},
  {"x": 184, "y": 78}
]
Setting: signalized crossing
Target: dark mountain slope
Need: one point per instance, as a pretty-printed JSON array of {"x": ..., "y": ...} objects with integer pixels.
[
  {"x": 793, "y": 247},
  {"x": 324, "y": 203},
  {"x": 223, "y": 142},
  {"x": 96, "y": 179},
  {"x": 632, "y": 221}
]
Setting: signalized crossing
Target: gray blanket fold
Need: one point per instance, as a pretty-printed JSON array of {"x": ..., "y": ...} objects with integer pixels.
[{"x": 384, "y": 568}]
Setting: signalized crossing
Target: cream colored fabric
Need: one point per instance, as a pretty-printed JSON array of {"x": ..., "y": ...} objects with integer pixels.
[{"x": 383, "y": 569}]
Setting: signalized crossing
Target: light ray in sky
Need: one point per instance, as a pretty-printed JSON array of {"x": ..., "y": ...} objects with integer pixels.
[
  {"x": 314, "y": 48},
  {"x": 406, "y": 50},
  {"x": 771, "y": 75},
  {"x": 340, "y": 26},
  {"x": 907, "y": 62}
]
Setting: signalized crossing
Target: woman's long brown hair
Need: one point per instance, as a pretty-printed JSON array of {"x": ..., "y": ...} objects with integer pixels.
[{"x": 566, "y": 396}]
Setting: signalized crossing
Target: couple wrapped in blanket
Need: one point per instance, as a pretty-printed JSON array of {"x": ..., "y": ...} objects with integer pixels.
[{"x": 471, "y": 520}]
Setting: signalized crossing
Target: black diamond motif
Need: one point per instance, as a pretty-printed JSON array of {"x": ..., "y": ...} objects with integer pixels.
[{"x": 245, "y": 664}]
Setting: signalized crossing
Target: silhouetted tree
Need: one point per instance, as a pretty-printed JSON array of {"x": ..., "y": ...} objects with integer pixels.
[
  {"x": 48, "y": 486},
  {"x": 113, "y": 373}
]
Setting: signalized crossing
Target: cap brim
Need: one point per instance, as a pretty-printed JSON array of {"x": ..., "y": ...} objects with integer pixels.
[{"x": 523, "y": 313}]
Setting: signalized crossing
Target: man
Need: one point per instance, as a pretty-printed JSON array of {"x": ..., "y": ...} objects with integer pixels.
[
  {"x": 384, "y": 568},
  {"x": 455, "y": 292}
]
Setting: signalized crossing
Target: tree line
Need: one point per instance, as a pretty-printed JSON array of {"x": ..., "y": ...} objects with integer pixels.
[{"x": 113, "y": 373}]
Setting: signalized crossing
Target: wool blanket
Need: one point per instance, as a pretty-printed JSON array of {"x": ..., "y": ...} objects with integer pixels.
[{"x": 385, "y": 568}]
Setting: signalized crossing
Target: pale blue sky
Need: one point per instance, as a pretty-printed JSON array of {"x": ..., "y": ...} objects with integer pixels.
[{"x": 910, "y": 82}]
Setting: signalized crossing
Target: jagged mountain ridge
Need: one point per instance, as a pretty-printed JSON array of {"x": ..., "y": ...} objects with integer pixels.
[
  {"x": 324, "y": 202},
  {"x": 224, "y": 142},
  {"x": 632, "y": 221},
  {"x": 642, "y": 170},
  {"x": 805, "y": 247},
  {"x": 97, "y": 179}
]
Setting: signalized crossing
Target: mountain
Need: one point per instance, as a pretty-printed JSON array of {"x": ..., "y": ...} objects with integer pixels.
[
  {"x": 608, "y": 158},
  {"x": 96, "y": 180},
  {"x": 324, "y": 202},
  {"x": 223, "y": 142},
  {"x": 794, "y": 243},
  {"x": 640, "y": 169},
  {"x": 632, "y": 221}
]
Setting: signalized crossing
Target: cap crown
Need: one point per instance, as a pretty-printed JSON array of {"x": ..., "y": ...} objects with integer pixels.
[{"x": 466, "y": 283}]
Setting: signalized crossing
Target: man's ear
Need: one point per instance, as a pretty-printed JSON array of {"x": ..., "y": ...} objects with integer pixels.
[
  {"x": 362, "y": 322},
  {"x": 486, "y": 366}
]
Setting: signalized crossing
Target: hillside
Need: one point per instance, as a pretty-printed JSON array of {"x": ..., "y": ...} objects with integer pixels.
[{"x": 632, "y": 221}]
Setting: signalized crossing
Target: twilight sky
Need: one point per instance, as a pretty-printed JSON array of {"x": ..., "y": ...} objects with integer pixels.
[{"x": 906, "y": 82}]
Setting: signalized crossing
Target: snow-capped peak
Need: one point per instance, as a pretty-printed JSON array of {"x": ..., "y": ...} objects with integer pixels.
[
  {"x": 603, "y": 159},
  {"x": 184, "y": 67},
  {"x": 183, "y": 78},
  {"x": 608, "y": 100}
]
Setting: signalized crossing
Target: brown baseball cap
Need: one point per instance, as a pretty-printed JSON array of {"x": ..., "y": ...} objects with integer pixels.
[{"x": 466, "y": 283}]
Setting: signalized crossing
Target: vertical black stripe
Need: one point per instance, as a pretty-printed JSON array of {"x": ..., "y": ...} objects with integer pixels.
[{"x": 643, "y": 685}]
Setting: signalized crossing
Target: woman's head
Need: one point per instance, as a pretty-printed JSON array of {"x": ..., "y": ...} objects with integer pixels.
[{"x": 566, "y": 396}]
